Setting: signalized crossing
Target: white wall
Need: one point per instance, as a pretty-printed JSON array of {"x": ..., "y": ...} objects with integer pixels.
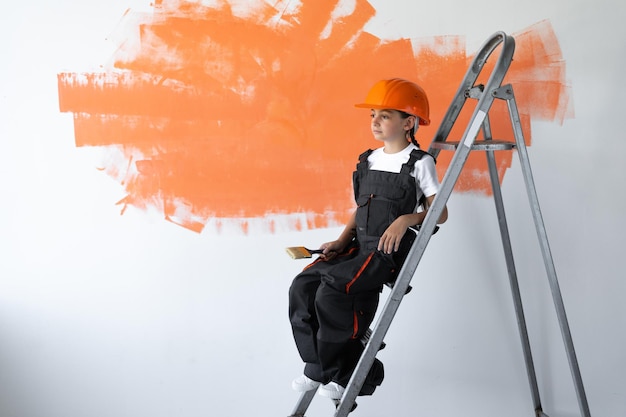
[{"x": 103, "y": 315}]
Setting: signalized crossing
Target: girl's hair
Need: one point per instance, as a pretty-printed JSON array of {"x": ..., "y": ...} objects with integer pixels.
[{"x": 411, "y": 132}]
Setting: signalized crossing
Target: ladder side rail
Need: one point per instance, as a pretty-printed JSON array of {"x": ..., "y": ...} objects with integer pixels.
[
  {"x": 510, "y": 265},
  {"x": 303, "y": 403},
  {"x": 547, "y": 255},
  {"x": 390, "y": 308}
]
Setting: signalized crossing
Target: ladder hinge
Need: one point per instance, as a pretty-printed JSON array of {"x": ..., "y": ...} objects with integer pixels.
[
  {"x": 504, "y": 92},
  {"x": 476, "y": 92}
]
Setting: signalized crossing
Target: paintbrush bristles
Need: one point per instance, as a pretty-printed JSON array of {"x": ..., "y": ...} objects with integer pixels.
[{"x": 298, "y": 252}]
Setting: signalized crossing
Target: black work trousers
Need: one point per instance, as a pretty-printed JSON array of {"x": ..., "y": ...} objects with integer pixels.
[{"x": 331, "y": 305}]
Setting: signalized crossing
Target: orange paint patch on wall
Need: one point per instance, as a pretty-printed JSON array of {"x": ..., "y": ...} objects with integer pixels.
[{"x": 222, "y": 117}]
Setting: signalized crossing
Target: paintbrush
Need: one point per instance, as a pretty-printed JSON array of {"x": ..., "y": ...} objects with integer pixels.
[{"x": 300, "y": 252}]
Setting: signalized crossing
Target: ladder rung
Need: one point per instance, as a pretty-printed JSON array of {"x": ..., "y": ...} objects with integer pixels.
[{"x": 479, "y": 145}]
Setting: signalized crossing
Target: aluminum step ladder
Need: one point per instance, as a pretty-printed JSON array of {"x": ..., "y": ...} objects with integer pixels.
[{"x": 485, "y": 94}]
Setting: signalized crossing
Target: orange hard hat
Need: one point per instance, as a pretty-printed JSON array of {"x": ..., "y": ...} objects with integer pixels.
[{"x": 398, "y": 94}]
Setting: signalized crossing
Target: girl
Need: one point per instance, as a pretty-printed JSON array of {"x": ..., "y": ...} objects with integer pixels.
[{"x": 333, "y": 301}]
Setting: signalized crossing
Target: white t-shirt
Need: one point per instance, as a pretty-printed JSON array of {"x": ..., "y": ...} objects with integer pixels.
[{"x": 424, "y": 172}]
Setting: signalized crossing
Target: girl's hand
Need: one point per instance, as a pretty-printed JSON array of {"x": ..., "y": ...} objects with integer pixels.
[
  {"x": 331, "y": 249},
  {"x": 390, "y": 240}
]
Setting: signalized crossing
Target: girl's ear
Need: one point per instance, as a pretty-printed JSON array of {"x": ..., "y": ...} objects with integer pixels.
[{"x": 409, "y": 123}]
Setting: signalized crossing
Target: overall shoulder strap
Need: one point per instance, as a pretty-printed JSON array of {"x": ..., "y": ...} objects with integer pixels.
[
  {"x": 363, "y": 159},
  {"x": 416, "y": 155}
]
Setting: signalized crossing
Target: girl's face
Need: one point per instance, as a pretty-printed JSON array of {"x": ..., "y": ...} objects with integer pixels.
[{"x": 390, "y": 126}]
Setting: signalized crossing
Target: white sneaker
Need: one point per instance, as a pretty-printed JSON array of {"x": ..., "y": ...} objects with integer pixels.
[
  {"x": 304, "y": 383},
  {"x": 332, "y": 390}
]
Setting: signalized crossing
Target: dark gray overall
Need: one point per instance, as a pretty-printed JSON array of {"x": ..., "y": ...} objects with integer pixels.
[{"x": 332, "y": 303}]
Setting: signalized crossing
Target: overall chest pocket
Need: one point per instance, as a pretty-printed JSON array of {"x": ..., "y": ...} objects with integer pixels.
[{"x": 378, "y": 208}]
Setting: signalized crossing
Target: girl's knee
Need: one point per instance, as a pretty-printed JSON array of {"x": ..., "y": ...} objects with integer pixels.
[{"x": 304, "y": 285}]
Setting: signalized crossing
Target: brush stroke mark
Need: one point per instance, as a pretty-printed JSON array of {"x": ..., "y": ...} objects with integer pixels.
[{"x": 214, "y": 116}]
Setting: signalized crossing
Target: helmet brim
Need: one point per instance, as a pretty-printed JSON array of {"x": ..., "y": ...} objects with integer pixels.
[{"x": 379, "y": 107}]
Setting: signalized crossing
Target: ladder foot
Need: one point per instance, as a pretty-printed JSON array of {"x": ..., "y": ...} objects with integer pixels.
[{"x": 539, "y": 412}]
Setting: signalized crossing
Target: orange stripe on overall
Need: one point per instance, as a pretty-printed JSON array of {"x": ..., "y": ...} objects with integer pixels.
[
  {"x": 355, "y": 323},
  {"x": 359, "y": 272}
]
